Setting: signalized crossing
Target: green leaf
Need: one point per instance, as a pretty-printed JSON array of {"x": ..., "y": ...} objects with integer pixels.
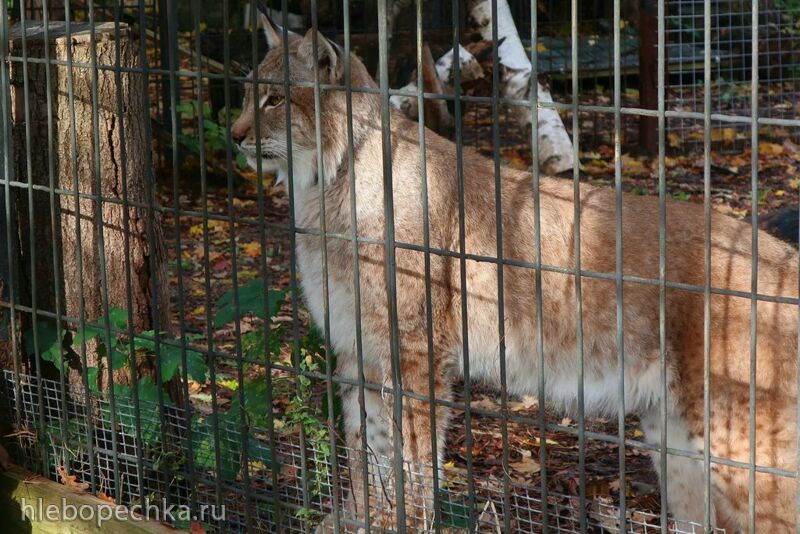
[
  {"x": 118, "y": 359},
  {"x": 170, "y": 362},
  {"x": 203, "y": 445},
  {"x": 255, "y": 401},
  {"x": 91, "y": 374},
  {"x": 241, "y": 160},
  {"x": 50, "y": 347},
  {"x": 118, "y": 317},
  {"x": 456, "y": 514},
  {"x": 258, "y": 450},
  {"x": 148, "y": 392},
  {"x": 251, "y": 300},
  {"x": 196, "y": 366},
  {"x": 186, "y": 108},
  {"x": 46, "y": 336}
]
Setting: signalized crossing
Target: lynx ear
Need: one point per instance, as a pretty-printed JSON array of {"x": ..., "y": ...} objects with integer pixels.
[
  {"x": 273, "y": 32},
  {"x": 328, "y": 59}
]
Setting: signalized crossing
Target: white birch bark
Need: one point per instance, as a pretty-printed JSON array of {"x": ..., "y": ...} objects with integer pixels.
[
  {"x": 555, "y": 146},
  {"x": 470, "y": 70}
]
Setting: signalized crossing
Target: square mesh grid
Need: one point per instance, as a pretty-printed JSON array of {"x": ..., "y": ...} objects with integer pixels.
[{"x": 304, "y": 491}]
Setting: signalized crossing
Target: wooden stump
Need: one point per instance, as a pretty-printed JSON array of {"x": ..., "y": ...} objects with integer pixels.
[{"x": 109, "y": 165}]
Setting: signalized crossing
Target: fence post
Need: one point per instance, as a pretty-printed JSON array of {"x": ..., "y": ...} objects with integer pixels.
[
  {"x": 75, "y": 274},
  {"x": 648, "y": 75}
]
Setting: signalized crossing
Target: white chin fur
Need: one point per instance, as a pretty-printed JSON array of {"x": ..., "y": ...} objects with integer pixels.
[
  {"x": 267, "y": 165},
  {"x": 303, "y": 168}
]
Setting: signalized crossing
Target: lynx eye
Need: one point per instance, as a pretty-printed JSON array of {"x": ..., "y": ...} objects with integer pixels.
[{"x": 271, "y": 101}]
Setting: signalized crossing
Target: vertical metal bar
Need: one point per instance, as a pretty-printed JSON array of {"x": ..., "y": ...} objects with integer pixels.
[
  {"x": 426, "y": 243},
  {"x": 462, "y": 262},
  {"x": 161, "y": 38},
  {"x": 212, "y": 358},
  {"x": 32, "y": 240},
  {"x": 619, "y": 267},
  {"x": 55, "y": 227},
  {"x": 662, "y": 264},
  {"x": 754, "y": 78},
  {"x": 537, "y": 243},
  {"x": 174, "y": 89},
  {"x": 707, "y": 262},
  {"x": 797, "y": 408},
  {"x": 150, "y": 193},
  {"x": 126, "y": 229},
  {"x": 6, "y": 151},
  {"x": 293, "y": 240},
  {"x": 262, "y": 239},
  {"x": 237, "y": 323},
  {"x": 348, "y": 84},
  {"x": 578, "y": 293},
  {"x": 90, "y": 438},
  {"x": 501, "y": 321},
  {"x": 101, "y": 253},
  {"x": 391, "y": 267},
  {"x": 324, "y": 260}
]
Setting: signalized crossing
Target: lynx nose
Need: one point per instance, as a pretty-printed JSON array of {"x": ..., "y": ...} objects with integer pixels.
[{"x": 239, "y": 130}]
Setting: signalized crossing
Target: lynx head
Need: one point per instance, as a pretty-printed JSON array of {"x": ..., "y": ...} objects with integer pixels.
[{"x": 261, "y": 130}]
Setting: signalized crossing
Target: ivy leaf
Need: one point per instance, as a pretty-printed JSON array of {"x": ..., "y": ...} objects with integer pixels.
[
  {"x": 148, "y": 392},
  {"x": 255, "y": 401},
  {"x": 118, "y": 317},
  {"x": 203, "y": 445},
  {"x": 50, "y": 347},
  {"x": 241, "y": 160},
  {"x": 87, "y": 333},
  {"x": 251, "y": 300},
  {"x": 149, "y": 414},
  {"x": 170, "y": 356},
  {"x": 118, "y": 358},
  {"x": 91, "y": 375},
  {"x": 196, "y": 366}
]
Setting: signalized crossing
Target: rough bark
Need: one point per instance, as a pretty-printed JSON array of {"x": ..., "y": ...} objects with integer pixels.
[
  {"x": 109, "y": 165},
  {"x": 555, "y": 146}
]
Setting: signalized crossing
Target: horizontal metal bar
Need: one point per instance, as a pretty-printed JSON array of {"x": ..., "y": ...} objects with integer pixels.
[{"x": 736, "y": 119}]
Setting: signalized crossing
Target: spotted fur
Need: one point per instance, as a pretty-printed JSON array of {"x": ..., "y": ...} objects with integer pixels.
[{"x": 729, "y": 306}]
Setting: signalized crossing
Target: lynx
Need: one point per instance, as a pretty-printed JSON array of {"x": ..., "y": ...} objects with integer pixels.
[{"x": 776, "y": 320}]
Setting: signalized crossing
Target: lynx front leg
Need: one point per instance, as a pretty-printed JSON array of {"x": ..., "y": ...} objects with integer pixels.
[
  {"x": 423, "y": 420},
  {"x": 684, "y": 476},
  {"x": 368, "y": 434}
]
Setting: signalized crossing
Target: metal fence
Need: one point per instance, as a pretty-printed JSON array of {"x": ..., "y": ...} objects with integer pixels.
[
  {"x": 245, "y": 407},
  {"x": 731, "y": 37}
]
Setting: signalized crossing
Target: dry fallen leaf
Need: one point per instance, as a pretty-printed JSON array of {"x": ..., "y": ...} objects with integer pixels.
[
  {"x": 252, "y": 250},
  {"x": 71, "y": 481},
  {"x": 770, "y": 149},
  {"x": 526, "y": 465}
]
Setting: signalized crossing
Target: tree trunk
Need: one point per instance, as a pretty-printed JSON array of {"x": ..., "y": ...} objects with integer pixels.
[
  {"x": 555, "y": 146},
  {"x": 99, "y": 243}
]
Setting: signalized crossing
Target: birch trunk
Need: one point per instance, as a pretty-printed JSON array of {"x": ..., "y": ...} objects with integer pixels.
[
  {"x": 442, "y": 82},
  {"x": 555, "y": 146}
]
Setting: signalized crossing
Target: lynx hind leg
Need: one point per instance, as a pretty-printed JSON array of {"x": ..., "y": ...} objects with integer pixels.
[
  {"x": 375, "y": 458},
  {"x": 684, "y": 476}
]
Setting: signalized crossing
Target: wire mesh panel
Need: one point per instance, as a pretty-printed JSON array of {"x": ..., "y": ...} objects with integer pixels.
[
  {"x": 778, "y": 65},
  {"x": 252, "y": 281}
]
